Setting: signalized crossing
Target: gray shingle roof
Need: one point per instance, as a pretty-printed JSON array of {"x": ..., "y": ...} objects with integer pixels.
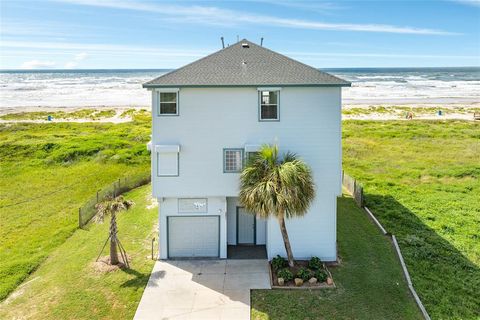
[{"x": 239, "y": 66}]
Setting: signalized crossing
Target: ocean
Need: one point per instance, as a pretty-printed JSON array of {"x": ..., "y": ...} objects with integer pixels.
[{"x": 373, "y": 86}]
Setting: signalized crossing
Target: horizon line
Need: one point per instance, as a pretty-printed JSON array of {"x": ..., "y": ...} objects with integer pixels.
[{"x": 170, "y": 69}]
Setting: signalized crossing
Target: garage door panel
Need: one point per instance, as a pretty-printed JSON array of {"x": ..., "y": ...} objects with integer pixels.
[{"x": 193, "y": 236}]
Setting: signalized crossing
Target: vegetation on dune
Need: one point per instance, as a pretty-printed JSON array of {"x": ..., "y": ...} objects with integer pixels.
[
  {"x": 422, "y": 180},
  {"x": 47, "y": 171},
  {"x": 370, "y": 283},
  {"x": 401, "y": 111},
  {"x": 71, "y": 285},
  {"x": 90, "y": 113},
  {"x": 135, "y": 113}
]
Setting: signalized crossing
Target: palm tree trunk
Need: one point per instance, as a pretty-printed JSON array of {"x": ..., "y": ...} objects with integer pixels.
[
  {"x": 113, "y": 240},
  {"x": 286, "y": 241}
]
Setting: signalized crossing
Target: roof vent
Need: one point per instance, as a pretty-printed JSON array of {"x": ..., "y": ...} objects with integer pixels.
[{"x": 245, "y": 45}]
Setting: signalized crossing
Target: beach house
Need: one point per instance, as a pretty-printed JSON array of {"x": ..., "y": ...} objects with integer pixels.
[{"x": 208, "y": 117}]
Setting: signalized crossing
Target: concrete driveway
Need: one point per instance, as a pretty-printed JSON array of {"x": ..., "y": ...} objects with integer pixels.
[{"x": 202, "y": 289}]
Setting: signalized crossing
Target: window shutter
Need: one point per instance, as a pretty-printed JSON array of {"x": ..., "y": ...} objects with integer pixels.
[{"x": 167, "y": 160}]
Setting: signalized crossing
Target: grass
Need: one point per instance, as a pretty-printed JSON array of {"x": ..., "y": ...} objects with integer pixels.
[
  {"x": 66, "y": 285},
  {"x": 370, "y": 283},
  {"x": 47, "y": 171},
  {"x": 422, "y": 180}
]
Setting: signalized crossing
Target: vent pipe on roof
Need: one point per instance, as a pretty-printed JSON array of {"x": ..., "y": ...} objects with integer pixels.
[
  {"x": 223, "y": 43},
  {"x": 261, "y": 42}
]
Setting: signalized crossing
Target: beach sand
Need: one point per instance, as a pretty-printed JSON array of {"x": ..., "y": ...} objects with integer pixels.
[{"x": 451, "y": 111}]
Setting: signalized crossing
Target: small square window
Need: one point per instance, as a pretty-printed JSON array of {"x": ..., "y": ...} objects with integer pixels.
[
  {"x": 251, "y": 156},
  {"x": 269, "y": 105},
  {"x": 232, "y": 160},
  {"x": 168, "y": 103}
]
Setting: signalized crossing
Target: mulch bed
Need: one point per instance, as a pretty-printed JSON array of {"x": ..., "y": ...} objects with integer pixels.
[{"x": 306, "y": 285}]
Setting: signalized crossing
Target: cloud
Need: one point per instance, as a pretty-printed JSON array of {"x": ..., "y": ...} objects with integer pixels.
[
  {"x": 76, "y": 60},
  {"x": 377, "y": 55},
  {"x": 319, "y": 7},
  {"x": 475, "y": 3},
  {"x": 81, "y": 56},
  {"x": 112, "y": 49},
  {"x": 219, "y": 16},
  {"x": 36, "y": 64}
]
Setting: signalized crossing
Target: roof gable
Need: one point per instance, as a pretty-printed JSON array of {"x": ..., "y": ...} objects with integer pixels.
[{"x": 245, "y": 64}]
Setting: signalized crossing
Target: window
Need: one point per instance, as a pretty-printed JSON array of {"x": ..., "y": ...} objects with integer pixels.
[
  {"x": 167, "y": 160},
  {"x": 168, "y": 103},
  {"x": 251, "y": 156},
  {"x": 251, "y": 152},
  {"x": 269, "y": 105},
  {"x": 232, "y": 160}
]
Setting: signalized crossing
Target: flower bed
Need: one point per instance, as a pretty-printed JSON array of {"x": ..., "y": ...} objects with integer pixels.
[{"x": 304, "y": 274}]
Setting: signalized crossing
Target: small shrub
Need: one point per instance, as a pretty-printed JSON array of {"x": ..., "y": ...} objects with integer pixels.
[
  {"x": 304, "y": 274},
  {"x": 321, "y": 275},
  {"x": 286, "y": 274},
  {"x": 315, "y": 263},
  {"x": 279, "y": 263}
]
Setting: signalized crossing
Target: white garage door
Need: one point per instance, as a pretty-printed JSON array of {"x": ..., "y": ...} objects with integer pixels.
[{"x": 196, "y": 236}]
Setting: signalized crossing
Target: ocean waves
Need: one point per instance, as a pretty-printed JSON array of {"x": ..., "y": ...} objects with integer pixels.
[{"x": 78, "y": 88}]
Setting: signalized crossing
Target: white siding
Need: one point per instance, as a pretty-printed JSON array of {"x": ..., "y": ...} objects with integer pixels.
[{"x": 211, "y": 119}]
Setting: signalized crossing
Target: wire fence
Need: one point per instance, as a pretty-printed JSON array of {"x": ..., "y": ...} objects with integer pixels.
[
  {"x": 87, "y": 211},
  {"x": 354, "y": 187}
]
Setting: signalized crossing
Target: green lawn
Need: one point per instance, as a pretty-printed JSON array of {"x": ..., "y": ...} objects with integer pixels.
[
  {"x": 370, "y": 283},
  {"x": 47, "y": 171},
  {"x": 422, "y": 180},
  {"x": 66, "y": 286}
]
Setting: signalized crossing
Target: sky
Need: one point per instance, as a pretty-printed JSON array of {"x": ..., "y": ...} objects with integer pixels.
[{"x": 142, "y": 34}]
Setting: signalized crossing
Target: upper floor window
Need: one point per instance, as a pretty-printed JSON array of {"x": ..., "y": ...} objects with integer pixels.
[
  {"x": 168, "y": 103},
  {"x": 232, "y": 160},
  {"x": 269, "y": 105}
]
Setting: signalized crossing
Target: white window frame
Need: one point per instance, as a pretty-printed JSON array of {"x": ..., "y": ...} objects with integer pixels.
[
  {"x": 260, "y": 91},
  {"x": 159, "y": 101}
]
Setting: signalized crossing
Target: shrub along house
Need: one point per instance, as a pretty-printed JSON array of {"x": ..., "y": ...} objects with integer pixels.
[{"x": 209, "y": 117}]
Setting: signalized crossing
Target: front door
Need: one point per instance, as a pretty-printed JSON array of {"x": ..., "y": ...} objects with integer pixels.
[{"x": 245, "y": 227}]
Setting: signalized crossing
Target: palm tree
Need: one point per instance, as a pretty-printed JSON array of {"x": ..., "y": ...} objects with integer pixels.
[
  {"x": 280, "y": 187},
  {"x": 111, "y": 206}
]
